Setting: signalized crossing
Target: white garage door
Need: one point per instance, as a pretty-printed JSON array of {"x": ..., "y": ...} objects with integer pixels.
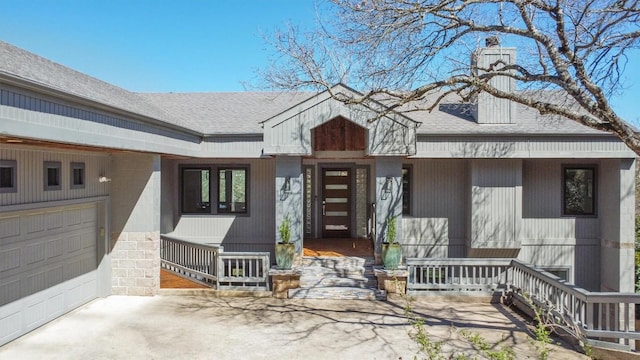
[{"x": 48, "y": 262}]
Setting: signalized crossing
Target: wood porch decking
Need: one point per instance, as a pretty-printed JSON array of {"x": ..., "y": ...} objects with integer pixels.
[
  {"x": 338, "y": 247},
  {"x": 312, "y": 247}
]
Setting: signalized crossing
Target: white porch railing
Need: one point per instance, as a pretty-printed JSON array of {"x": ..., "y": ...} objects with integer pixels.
[
  {"x": 606, "y": 317},
  {"x": 195, "y": 261},
  {"x": 240, "y": 271},
  {"x": 457, "y": 276},
  {"x": 210, "y": 265}
]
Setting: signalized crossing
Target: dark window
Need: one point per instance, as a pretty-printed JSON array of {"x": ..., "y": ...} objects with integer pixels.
[
  {"x": 579, "y": 190},
  {"x": 195, "y": 190},
  {"x": 77, "y": 175},
  {"x": 406, "y": 190},
  {"x": 52, "y": 173},
  {"x": 8, "y": 176},
  {"x": 232, "y": 190},
  {"x": 199, "y": 190}
]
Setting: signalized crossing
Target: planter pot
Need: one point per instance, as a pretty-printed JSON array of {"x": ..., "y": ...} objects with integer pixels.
[
  {"x": 284, "y": 255},
  {"x": 391, "y": 255}
]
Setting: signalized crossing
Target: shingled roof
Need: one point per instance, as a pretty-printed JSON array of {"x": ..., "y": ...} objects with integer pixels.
[
  {"x": 225, "y": 112},
  {"x": 241, "y": 112}
]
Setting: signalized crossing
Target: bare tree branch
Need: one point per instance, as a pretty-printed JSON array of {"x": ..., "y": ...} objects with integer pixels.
[{"x": 408, "y": 50}]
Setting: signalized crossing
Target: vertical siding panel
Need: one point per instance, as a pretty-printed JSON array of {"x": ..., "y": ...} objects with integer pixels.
[
  {"x": 30, "y": 174},
  {"x": 495, "y": 216},
  {"x": 436, "y": 226},
  {"x": 258, "y": 227}
]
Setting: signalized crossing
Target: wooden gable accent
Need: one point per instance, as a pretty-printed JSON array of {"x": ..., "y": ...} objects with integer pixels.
[{"x": 339, "y": 134}]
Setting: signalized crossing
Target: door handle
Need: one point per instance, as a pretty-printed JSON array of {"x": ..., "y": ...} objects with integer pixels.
[{"x": 323, "y": 207}]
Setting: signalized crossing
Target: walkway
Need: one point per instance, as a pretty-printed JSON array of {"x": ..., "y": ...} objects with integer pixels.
[{"x": 206, "y": 327}]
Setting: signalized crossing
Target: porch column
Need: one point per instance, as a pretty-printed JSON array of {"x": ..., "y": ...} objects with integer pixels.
[
  {"x": 135, "y": 224},
  {"x": 289, "y": 197},
  {"x": 388, "y": 199},
  {"x": 617, "y": 224}
]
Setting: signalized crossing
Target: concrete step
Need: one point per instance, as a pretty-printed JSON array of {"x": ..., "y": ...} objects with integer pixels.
[
  {"x": 359, "y": 282},
  {"x": 332, "y": 262},
  {"x": 325, "y": 277},
  {"x": 337, "y": 293},
  {"x": 319, "y": 271}
]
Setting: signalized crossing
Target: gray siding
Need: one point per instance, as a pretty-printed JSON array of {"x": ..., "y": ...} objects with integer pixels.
[
  {"x": 489, "y": 109},
  {"x": 550, "y": 239},
  {"x": 290, "y": 132},
  {"x": 29, "y": 101},
  {"x": 496, "y": 193},
  {"x": 436, "y": 226},
  {"x": 169, "y": 185},
  {"x": 252, "y": 232},
  {"x": 617, "y": 210},
  {"x": 30, "y": 174},
  {"x": 232, "y": 147},
  {"x": 25, "y": 114},
  {"x": 529, "y": 147}
]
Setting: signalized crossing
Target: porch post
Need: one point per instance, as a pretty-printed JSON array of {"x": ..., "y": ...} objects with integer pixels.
[
  {"x": 388, "y": 199},
  {"x": 135, "y": 224},
  {"x": 617, "y": 212},
  {"x": 289, "y": 197}
]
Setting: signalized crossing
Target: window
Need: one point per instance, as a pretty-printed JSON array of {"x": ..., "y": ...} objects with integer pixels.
[
  {"x": 195, "y": 191},
  {"x": 8, "y": 176},
  {"x": 232, "y": 190},
  {"x": 579, "y": 190},
  {"x": 52, "y": 173},
  {"x": 406, "y": 190},
  {"x": 561, "y": 272},
  {"x": 228, "y": 189},
  {"x": 77, "y": 175}
]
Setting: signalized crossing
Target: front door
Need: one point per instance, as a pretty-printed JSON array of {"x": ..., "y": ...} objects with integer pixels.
[{"x": 336, "y": 202}]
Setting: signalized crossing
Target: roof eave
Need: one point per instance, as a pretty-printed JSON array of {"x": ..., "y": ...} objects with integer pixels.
[{"x": 37, "y": 87}]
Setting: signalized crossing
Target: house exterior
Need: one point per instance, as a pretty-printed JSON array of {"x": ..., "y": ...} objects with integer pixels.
[{"x": 91, "y": 175}]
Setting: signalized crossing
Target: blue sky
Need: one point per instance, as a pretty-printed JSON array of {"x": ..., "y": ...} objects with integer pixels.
[{"x": 177, "y": 46}]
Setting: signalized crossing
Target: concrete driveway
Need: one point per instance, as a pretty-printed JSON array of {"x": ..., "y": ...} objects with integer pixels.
[{"x": 206, "y": 327}]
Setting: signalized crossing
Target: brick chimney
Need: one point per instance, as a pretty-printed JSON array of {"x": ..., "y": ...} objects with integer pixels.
[{"x": 488, "y": 109}]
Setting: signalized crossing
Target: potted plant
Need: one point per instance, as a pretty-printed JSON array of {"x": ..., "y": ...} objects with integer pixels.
[
  {"x": 285, "y": 250},
  {"x": 391, "y": 250}
]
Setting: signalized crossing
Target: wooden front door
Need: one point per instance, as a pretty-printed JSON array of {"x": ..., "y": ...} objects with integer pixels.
[{"x": 336, "y": 203}]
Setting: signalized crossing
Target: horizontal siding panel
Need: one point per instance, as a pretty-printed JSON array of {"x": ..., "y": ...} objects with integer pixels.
[
  {"x": 67, "y": 112},
  {"x": 480, "y": 146},
  {"x": 230, "y": 148}
]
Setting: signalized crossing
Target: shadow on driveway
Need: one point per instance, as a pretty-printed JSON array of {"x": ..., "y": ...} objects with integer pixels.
[{"x": 208, "y": 327}]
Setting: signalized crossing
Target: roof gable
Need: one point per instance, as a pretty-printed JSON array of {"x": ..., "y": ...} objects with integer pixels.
[{"x": 289, "y": 133}]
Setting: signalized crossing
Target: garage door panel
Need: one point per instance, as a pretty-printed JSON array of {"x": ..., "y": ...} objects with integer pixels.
[
  {"x": 55, "y": 220},
  {"x": 73, "y": 218},
  {"x": 11, "y": 321},
  {"x": 55, "y": 306},
  {"x": 9, "y": 230},
  {"x": 55, "y": 248},
  {"x": 35, "y": 253},
  {"x": 36, "y": 314},
  {"x": 34, "y": 223},
  {"x": 73, "y": 243},
  {"x": 48, "y": 265},
  {"x": 89, "y": 216},
  {"x": 9, "y": 259},
  {"x": 10, "y": 290}
]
